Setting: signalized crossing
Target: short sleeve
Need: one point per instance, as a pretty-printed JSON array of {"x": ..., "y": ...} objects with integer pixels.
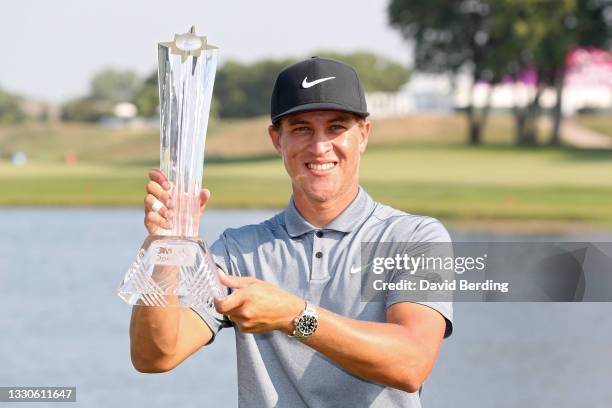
[
  {"x": 214, "y": 320},
  {"x": 430, "y": 239}
]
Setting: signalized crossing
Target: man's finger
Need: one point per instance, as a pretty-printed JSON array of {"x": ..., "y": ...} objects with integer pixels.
[
  {"x": 227, "y": 304},
  {"x": 235, "y": 282},
  {"x": 158, "y": 192},
  {"x": 159, "y": 177},
  {"x": 151, "y": 227},
  {"x": 204, "y": 197},
  {"x": 150, "y": 200},
  {"x": 154, "y": 219}
]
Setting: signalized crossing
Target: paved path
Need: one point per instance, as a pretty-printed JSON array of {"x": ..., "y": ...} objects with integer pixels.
[{"x": 572, "y": 134}]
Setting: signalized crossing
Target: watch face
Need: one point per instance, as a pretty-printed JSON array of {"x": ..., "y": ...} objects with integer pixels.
[{"x": 306, "y": 325}]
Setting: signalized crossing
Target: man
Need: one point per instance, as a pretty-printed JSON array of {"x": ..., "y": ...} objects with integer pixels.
[{"x": 303, "y": 336}]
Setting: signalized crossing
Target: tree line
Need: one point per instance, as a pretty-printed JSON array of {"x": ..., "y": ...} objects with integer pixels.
[
  {"x": 10, "y": 109},
  {"x": 241, "y": 89},
  {"x": 503, "y": 40}
]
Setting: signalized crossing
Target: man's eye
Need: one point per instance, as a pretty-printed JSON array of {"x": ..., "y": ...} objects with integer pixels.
[
  {"x": 301, "y": 129},
  {"x": 337, "y": 128}
]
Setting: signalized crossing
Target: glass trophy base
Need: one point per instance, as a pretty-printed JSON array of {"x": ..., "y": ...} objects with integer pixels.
[{"x": 171, "y": 271}]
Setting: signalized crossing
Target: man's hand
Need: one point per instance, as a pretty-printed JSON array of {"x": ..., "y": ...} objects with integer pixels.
[
  {"x": 256, "y": 306},
  {"x": 158, "y": 188}
]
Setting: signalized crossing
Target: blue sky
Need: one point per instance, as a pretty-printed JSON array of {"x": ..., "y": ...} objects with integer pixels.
[{"x": 51, "y": 49}]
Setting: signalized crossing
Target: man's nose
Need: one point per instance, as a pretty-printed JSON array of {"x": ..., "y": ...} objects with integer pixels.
[{"x": 320, "y": 144}]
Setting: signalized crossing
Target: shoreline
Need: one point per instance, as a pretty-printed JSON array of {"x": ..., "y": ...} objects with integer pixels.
[{"x": 500, "y": 226}]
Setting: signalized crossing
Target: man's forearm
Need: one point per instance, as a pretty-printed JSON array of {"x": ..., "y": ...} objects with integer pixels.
[
  {"x": 380, "y": 352},
  {"x": 399, "y": 353},
  {"x": 153, "y": 336},
  {"x": 154, "y": 331}
]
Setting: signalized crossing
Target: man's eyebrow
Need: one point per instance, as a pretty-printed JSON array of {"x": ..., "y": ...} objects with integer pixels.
[
  {"x": 341, "y": 118},
  {"x": 297, "y": 121}
]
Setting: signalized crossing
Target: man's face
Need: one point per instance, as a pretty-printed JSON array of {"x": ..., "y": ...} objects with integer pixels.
[{"x": 321, "y": 151}]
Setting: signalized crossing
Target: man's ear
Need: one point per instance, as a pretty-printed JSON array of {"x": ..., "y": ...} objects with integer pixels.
[
  {"x": 365, "y": 135},
  {"x": 275, "y": 137}
]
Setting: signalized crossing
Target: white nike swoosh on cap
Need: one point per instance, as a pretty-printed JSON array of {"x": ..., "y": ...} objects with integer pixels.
[{"x": 306, "y": 84}]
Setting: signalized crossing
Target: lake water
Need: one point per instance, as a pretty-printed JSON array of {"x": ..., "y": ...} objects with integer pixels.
[{"x": 61, "y": 324}]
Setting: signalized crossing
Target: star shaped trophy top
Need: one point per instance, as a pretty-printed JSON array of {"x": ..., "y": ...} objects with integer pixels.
[{"x": 188, "y": 44}]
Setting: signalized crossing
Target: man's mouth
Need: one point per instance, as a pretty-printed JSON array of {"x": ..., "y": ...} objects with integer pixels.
[{"x": 321, "y": 166}]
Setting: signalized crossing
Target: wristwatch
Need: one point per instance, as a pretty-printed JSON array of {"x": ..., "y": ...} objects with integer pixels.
[{"x": 305, "y": 324}]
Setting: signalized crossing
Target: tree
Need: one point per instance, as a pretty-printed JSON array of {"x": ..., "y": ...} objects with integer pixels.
[
  {"x": 377, "y": 73},
  {"x": 243, "y": 90},
  {"x": 449, "y": 36},
  {"x": 523, "y": 34},
  {"x": 585, "y": 23},
  {"x": 503, "y": 39},
  {"x": 147, "y": 98},
  {"x": 115, "y": 86},
  {"x": 546, "y": 36},
  {"x": 86, "y": 110},
  {"x": 107, "y": 88},
  {"x": 10, "y": 109}
]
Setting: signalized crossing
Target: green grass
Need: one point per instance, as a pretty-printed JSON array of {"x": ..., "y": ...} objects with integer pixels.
[
  {"x": 450, "y": 183},
  {"x": 428, "y": 171}
]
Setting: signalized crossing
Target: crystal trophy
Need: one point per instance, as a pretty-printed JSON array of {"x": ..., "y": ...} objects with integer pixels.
[{"x": 174, "y": 267}]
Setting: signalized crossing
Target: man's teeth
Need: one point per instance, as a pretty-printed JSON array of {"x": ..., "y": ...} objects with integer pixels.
[{"x": 323, "y": 166}]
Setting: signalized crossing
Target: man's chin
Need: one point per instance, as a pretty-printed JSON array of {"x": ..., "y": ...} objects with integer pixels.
[
  {"x": 321, "y": 195},
  {"x": 319, "y": 190},
  {"x": 321, "y": 198}
]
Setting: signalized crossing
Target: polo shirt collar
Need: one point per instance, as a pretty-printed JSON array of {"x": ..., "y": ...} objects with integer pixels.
[{"x": 352, "y": 216}]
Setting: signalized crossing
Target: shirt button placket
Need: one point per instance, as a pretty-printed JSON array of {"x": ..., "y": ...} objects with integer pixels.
[{"x": 318, "y": 261}]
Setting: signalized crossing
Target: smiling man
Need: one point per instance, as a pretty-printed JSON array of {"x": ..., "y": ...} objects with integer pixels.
[{"x": 304, "y": 338}]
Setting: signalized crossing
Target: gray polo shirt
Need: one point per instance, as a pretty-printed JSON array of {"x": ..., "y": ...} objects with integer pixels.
[{"x": 315, "y": 263}]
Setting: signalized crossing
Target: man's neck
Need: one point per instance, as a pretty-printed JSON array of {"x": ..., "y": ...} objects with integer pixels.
[{"x": 320, "y": 213}]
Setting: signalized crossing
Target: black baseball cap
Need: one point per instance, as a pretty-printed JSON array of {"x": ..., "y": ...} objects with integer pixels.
[{"x": 317, "y": 84}]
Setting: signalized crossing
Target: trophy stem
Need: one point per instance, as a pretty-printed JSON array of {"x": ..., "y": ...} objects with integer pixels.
[{"x": 185, "y": 88}]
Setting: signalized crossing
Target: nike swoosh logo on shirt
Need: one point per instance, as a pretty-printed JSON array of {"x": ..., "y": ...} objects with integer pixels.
[
  {"x": 306, "y": 84},
  {"x": 356, "y": 269}
]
